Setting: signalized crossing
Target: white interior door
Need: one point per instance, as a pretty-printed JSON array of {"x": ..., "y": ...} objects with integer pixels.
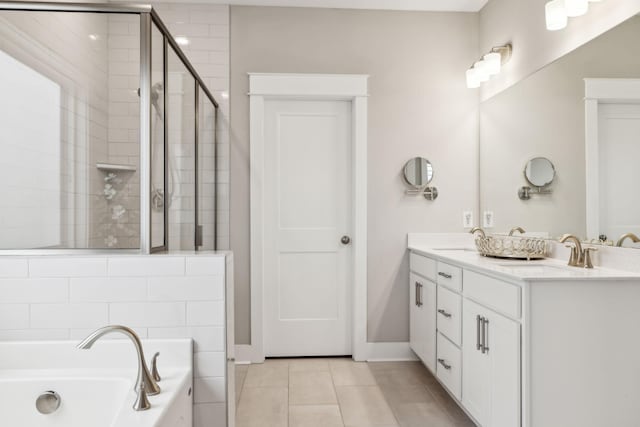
[
  {"x": 307, "y": 201},
  {"x": 618, "y": 130}
]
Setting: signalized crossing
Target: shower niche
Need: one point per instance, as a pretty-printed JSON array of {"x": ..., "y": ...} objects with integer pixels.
[{"x": 107, "y": 132}]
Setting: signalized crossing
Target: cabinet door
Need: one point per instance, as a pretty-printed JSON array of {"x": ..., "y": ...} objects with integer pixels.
[
  {"x": 490, "y": 377},
  {"x": 503, "y": 340},
  {"x": 422, "y": 319},
  {"x": 476, "y": 377},
  {"x": 416, "y": 326}
]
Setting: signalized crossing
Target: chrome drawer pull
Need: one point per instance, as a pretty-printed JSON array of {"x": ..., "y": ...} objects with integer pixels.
[
  {"x": 444, "y": 313},
  {"x": 478, "y": 345},
  {"x": 443, "y": 363},
  {"x": 417, "y": 296},
  {"x": 485, "y": 335},
  {"x": 445, "y": 275}
]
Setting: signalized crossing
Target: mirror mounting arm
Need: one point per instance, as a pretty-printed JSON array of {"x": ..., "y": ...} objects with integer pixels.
[{"x": 524, "y": 193}]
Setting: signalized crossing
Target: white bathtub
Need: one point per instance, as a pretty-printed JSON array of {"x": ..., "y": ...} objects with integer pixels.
[{"x": 95, "y": 386}]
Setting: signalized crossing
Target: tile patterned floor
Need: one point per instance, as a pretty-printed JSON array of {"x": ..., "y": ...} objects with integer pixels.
[{"x": 342, "y": 393}]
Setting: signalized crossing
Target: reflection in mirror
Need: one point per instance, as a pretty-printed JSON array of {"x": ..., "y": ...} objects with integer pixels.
[
  {"x": 539, "y": 171},
  {"x": 418, "y": 172},
  {"x": 545, "y": 113}
]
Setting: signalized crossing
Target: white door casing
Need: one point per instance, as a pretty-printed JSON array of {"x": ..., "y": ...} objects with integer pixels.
[
  {"x": 625, "y": 93},
  {"x": 351, "y": 89},
  {"x": 307, "y": 209}
]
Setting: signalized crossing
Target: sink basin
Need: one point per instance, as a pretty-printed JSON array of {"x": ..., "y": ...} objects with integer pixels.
[
  {"x": 539, "y": 270},
  {"x": 456, "y": 249}
]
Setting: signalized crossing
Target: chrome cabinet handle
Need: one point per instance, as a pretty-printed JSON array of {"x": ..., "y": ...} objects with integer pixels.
[
  {"x": 417, "y": 297},
  {"x": 485, "y": 334},
  {"x": 478, "y": 344},
  {"x": 445, "y": 275},
  {"x": 419, "y": 294},
  {"x": 444, "y": 364},
  {"x": 444, "y": 313}
]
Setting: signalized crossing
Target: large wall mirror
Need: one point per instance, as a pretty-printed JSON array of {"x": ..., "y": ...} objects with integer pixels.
[{"x": 544, "y": 116}]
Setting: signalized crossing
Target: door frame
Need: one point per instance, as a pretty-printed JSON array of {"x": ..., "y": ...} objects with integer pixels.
[
  {"x": 600, "y": 91},
  {"x": 331, "y": 87}
]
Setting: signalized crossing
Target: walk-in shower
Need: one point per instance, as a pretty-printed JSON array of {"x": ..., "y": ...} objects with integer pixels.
[{"x": 107, "y": 132}]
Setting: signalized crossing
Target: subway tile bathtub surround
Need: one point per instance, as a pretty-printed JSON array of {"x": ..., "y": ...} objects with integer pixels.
[{"x": 159, "y": 296}]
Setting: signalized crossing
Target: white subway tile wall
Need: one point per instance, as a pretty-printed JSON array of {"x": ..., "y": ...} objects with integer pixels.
[
  {"x": 206, "y": 27},
  {"x": 160, "y": 296}
]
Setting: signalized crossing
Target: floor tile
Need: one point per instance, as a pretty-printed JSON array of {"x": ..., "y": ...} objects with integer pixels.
[
  {"x": 308, "y": 365},
  {"x": 396, "y": 395},
  {"x": 267, "y": 375},
  {"x": 364, "y": 406},
  {"x": 315, "y": 416},
  {"x": 263, "y": 407},
  {"x": 311, "y": 388},
  {"x": 351, "y": 373},
  {"x": 422, "y": 415}
]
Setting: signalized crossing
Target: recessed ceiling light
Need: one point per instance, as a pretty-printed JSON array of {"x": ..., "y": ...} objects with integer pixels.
[
  {"x": 94, "y": 37},
  {"x": 182, "y": 40}
]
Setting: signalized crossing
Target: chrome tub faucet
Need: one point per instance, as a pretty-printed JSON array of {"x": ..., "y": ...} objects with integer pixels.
[{"x": 145, "y": 384}]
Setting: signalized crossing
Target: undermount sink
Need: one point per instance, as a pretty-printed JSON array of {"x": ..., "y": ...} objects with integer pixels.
[{"x": 456, "y": 249}]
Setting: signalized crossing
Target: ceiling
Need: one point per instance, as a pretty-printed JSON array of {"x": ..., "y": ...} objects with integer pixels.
[{"x": 424, "y": 5}]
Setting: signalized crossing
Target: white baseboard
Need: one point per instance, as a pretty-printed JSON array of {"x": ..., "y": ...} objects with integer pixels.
[
  {"x": 389, "y": 351},
  {"x": 375, "y": 352},
  {"x": 245, "y": 354}
]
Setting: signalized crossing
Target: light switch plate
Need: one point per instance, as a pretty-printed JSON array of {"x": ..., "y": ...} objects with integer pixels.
[
  {"x": 467, "y": 219},
  {"x": 487, "y": 219}
]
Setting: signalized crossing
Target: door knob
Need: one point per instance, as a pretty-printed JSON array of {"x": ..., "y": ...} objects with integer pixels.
[{"x": 345, "y": 240}]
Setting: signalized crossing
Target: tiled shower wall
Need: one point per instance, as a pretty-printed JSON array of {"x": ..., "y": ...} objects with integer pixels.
[
  {"x": 159, "y": 296},
  {"x": 207, "y": 28},
  {"x": 57, "y": 46}
]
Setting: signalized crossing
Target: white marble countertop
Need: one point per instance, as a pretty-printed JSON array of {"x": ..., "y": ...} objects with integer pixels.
[{"x": 460, "y": 250}]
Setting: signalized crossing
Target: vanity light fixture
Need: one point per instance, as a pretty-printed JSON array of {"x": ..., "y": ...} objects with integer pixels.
[
  {"x": 558, "y": 12},
  {"x": 489, "y": 65}
]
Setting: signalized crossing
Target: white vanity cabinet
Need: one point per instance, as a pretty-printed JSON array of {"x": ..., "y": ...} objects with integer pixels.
[
  {"x": 471, "y": 330},
  {"x": 491, "y": 366},
  {"x": 422, "y": 309}
]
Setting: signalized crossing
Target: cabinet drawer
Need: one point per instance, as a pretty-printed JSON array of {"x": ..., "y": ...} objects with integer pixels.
[
  {"x": 449, "y": 276},
  {"x": 493, "y": 293},
  {"x": 449, "y": 314},
  {"x": 426, "y": 267},
  {"x": 449, "y": 366}
]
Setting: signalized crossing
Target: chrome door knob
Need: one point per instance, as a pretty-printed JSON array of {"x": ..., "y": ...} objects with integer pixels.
[{"x": 345, "y": 240}]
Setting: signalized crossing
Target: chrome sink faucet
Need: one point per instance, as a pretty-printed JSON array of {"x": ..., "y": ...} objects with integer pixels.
[
  {"x": 576, "y": 258},
  {"x": 145, "y": 384},
  {"x": 477, "y": 229},
  {"x": 625, "y": 236}
]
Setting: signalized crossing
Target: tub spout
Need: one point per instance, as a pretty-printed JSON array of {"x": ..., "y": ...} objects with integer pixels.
[{"x": 145, "y": 385}]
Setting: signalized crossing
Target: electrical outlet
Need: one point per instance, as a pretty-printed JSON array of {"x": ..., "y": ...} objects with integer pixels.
[
  {"x": 487, "y": 219},
  {"x": 467, "y": 219}
]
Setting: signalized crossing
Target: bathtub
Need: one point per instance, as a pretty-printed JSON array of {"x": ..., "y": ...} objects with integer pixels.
[{"x": 95, "y": 386}]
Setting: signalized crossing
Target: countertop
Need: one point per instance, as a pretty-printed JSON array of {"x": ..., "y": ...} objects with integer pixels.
[{"x": 546, "y": 270}]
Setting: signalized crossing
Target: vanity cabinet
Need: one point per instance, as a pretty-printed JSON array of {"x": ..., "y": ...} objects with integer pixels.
[
  {"x": 466, "y": 330},
  {"x": 491, "y": 366},
  {"x": 422, "y": 310}
]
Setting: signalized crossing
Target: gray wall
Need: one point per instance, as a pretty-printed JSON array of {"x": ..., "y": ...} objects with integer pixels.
[{"x": 419, "y": 106}]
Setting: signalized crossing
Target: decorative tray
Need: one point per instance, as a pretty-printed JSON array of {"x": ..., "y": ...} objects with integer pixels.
[{"x": 511, "y": 247}]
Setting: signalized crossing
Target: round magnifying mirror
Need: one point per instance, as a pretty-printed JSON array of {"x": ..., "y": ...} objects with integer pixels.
[
  {"x": 418, "y": 172},
  {"x": 539, "y": 171}
]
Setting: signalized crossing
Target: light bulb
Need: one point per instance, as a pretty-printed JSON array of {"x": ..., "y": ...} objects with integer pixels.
[
  {"x": 556, "y": 15},
  {"x": 492, "y": 63},
  {"x": 481, "y": 69},
  {"x": 472, "y": 78},
  {"x": 576, "y": 7}
]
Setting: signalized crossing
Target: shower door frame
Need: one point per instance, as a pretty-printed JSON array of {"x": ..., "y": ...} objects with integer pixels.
[{"x": 148, "y": 18}]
